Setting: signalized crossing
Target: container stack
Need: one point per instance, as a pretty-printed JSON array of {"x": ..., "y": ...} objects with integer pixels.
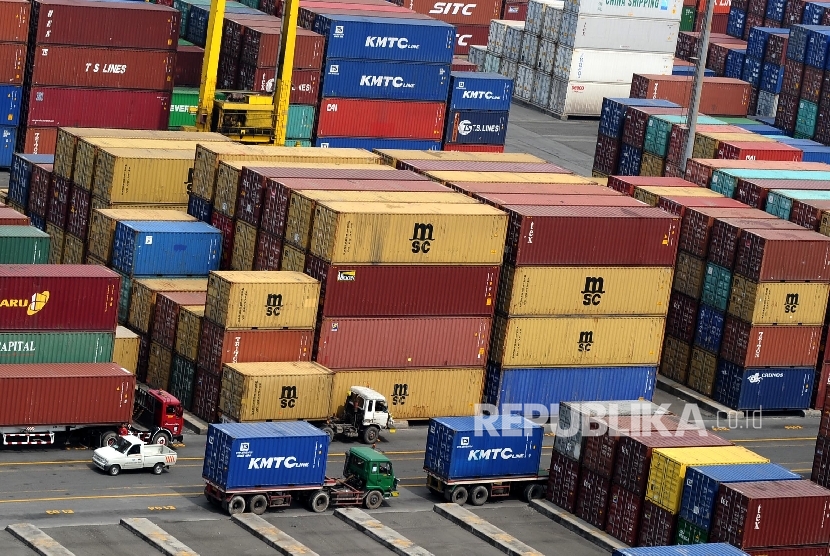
[
  {"x": 801, "y": 90},
  {"x": 538, "y": 52},
  {"x": 504, "y": 46},
  {"x": 763, "y": 63},
  {"x": 20, "y": 179},
  {"x": 478, "y": 111},
  {"x": 164, "y": 363},
  {"x": 13, "y": 36}
]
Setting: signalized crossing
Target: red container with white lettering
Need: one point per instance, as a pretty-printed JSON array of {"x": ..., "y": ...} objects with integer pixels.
[
  {"x": 37, "y": 140},
  {"x": 12, "y": 63},
  {"x": 758, "y": 150},
  {"x": 473, "y": 148},
  {"x": 458, "y": 13},
  {"x": 305, "y": 83},
  {"x": 343, "y": 117},
  {"x": 469, "y": 35},
  {"x": 107, "y": 108},
  {"x": 515, "y": 10}
]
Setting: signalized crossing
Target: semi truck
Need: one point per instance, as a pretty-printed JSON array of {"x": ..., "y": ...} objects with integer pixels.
[
  {"x": 83, "y": 402},
  {"x": 466, "y": 461},
  {"x": 257, "y": 466}
]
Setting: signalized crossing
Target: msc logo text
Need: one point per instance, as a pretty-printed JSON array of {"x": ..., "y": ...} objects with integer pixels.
[
  {"x": 273, "y": 305},
  {"x": 586, "y": 340},
  {"x": 593, "y": 290},
  {"x": 422, "y": 238},
  {"x": 288, "y": 397}
]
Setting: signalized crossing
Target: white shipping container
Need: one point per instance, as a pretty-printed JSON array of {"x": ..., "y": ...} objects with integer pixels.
[
  {"x": 767, "y": 104},
  {"x": 509, "y": 68},
  {"x": 477, "y": 54},
  {"x": 608, "y": 66},
  {"x": 536, "y": 11},
  {"x": 552, "y": 23},
  {"x": 524, "y": 82},
  {"x": 496, "y": 40},
  {"x": 618, "y": 33},
  {"x": 582, "y": 98},
  {"x": 647, "y": 9},
  {"x": 513, "y": 41},
  {"x": 540, "y": 95},
  {"x": 492, "y": 62},
  {"x": 530, "y": 49},
  {"x": 546, "y": 56}
]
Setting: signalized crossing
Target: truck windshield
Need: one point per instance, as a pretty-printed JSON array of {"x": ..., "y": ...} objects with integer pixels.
[{"x": 122, "y": 445}]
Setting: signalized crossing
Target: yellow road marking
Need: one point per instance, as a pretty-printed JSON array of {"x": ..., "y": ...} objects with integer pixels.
[
  {"x": 772, "y": 439},
  {"x": 103, "y": 496}
]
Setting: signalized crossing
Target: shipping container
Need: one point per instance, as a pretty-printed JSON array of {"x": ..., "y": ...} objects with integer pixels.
[
  {"x": 563, "y": 481},
  {"x": 592, "y": 500},
  {"x": 783, "y": 255},
  {"x": 475, "y": 127},
  {"x": 143, "y": 292},
  {"x": 674, "y": 363},
  {"x": 709, "y": 549},
  {"x": 780, "y": 201},
  {"x": 709, "y": 332},
  {"x": 697, "y": 223},
  {"x": 385, "y": 80},
  {"x": 773, "y": 389},
  {"x": 651, "y": 194},
  {"x": 147, "y": 248},
  {"x": 127, "y": 175},
  {"x": 182, "y": 377},
  {"x": 380, "y": 118},
  {"x": 187, "y": 332},
  {"x": 158, "y": 367},
  {"x": 778, "y": 302},
  {"x": 556, "y": 177},
  {"x": 579, "y": 198},
  {"x": 125, "y": 349},
  {"x": 722, "y": 96},
  {"x": 725, "y": 179},
  {"x": 657, "y": 525},
  {"x": 480, "y": 91},
  {"x": 769, "y": 346},
  {"x": 726, "y": 233},
  {"x": 64, "y": 107},
  {"x": 375, "y": 142},
  {"x": 103, "y": 223},
  {"x": 12, "y": 68},
  {"x": 166, "y": 315},
  {"x": 623, "y": 521},
  {"x": 21, "y": 243},
  {"x": 56, "y": 347},
  {"x": 392, "y": 156}
]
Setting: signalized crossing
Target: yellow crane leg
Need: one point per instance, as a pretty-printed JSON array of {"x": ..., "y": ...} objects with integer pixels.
[
  {"x": 210, "y": 65},
  {"x": 285, "y": 66}
]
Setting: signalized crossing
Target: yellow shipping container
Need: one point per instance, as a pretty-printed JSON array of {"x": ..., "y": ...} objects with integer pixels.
[
  {"x": 293, "y": 258},
  {"x": 562, "y": 290},
  {"x": 275, "y": 391},
  {"x": 576, "y": 341},
  {"x": 92, "y": 259},
  {"x": 416, "y": 233},
  {"x": 142, "y": 175},
  {"x": 650, "y": 194},
  {"x": 415, "y": 393},
  {"x": 102, "y": 223},
  {"x": 125, "y": 349},
  {"x": 668, "y": 469},
  {"x": 208, "y": 157},
  {"x": 143, "y": 297},
  {"x": 73, "y": 250},
  {"x": 229, "y": 175},
  {"x": 651, "y": 165},
  {"x": 240, "y": 300},
  {"x": 158, "y": 369},
  {"x": 674, "y": 361},
  {"x": 689, "y": 274},
  {"x": 56, "y": 240},
  {"x": 778, "y": 302},
  {"x": 187, "y": 331},
  {"x": 302, "y": 203},
  {"x": 244, "y": 246},
  {"x": 392, "y": 156},
  {"x": 703, "y": 369},
  {"x": 100, "y": 204},
  {"x": 507, "y": 177}
]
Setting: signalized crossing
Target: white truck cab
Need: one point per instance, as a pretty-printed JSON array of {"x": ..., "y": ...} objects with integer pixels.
[
  {"x": 365, "y": 414},
  {"x": 130, "y": 452}
]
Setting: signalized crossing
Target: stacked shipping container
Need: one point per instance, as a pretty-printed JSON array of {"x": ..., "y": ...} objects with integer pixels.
[
  {"x": 13, "y": 36},
  {"x": 478, "y": 111}
]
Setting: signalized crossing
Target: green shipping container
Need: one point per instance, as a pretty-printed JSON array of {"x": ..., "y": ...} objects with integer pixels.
[
  {"x": 297, "y": 143},
  {"x": 658, "y": 133},
  {"x": 183, "y": 42},
  {"x": 23, "y": 245},
  {"x": 56, "y": 347},
  {"x": 124, "y": 299},
  {"x": 687, "y": 18},
  {"x": 183, "y": 107},
  {"x": 182, "y": 379},
  {"x": 300, "y": 122},
  {"x": 688, "y": 533},
  {"x": 717, "y": 285},
  {"x": 724, "y": 181},
  {"x": 780, "y": 201},
  {"x": 805, "y": 122},
  {"x": 737, "y": 121}
]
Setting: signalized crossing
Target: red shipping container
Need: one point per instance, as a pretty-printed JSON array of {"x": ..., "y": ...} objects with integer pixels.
[
  {"x": 811, "y": 84},
  {"x": 343, "y": 117},
  {"x": 636, "y": 122},
  {"x": 268, "y": 253},
  {"x": 77, "y": 219},
  {"x": 478, "y": 189},
  {"x": 218, "y": 346},
  {"x": 783, "y": 255},
  {"x": 113, "y": 24},
  {"x": 460, "y": 64},
  {"x": 352, "y": 343},
  {"x": 821, "y": 462},
  {"x": 58, "y": 201},
  {"x": 403, "y": 290},
  {"x": 769, "y": 346},
  {"x": 37, "y": 140},
  {"x": 754, "y": 192},
  {"x": 759, "y": 150},
  {"x": 697, "y": 224},
  {"x": 262, "y": 45},
  {"x": 807, "y": 214},
  {"x": 10, "y": 217},
  {"x": 771, "y": 513},
  {"x": 58, "y": 297},
  {"x": 793, "y": 12},
  {"x": 821, "y": 550},
  {"x": 473, "y": 148},
  {"x": 206, "y": 389},
  {"x": 305, "y": 83},
  {"x": 227, "y": 226},
  {"x": 722, "y": 96},
  {"x": 793, "y": 78},
  {"x": 37, "y": 394},
  {"x": 606, "y": 155},
  {"x": 821, "y": 403},
  {"x": 63, "y": 107},
  {"x": 753, "y": 20},
  {"x": 309, "y": 11},
  {"x": 723, "y": 242},
  {"x": 679, "y": 204},
  {"x": 787, "y": 112},
  {"x": 657, "y": 526},
  {"x": 584, "y": 200},
  {"x": 480, "y": 166},
  {"x": 12, "y": 63},
  {"x": 699, "y": 170},
  {"x": 677, "y": 139},
  {"x": 14, "y": 21},
  {"x": 681, "y": 320},
  {"x": 563, "y": 481},
  {"x": 166, "y": 314},
  {"x": 591, "y": 235},
  {"x": 458, "y": 14},
  {"x": 515, "y": 10},
  {"x": 41, "y": 183},
  {"x": 189, "y": 60},
  {"x": 469, "y": 35},
  {"x": 720, "y": 7},
  {"x": 626, "y": 184},
  {"x": 592, "y": 500},
  {"x": 624, "y": 509}
]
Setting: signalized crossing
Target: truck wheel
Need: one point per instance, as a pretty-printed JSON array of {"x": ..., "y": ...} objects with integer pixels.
[
  {"x": 236, "y": 505},
  {"x": 373, "y": 500},
  {"x": 459, "y": 496},
  {"x": 479, "y": 495},
  {"x": 531, "y": 492},
  {"x": 259, "y": 504},
  {"x": 370, "y": 435},
  {"x": 114, "y": 470},
  {"x": 319, "y": 501},
  {"x": 158, "y": 468},
  {"x": 329, "y": 432},
  {"x": 161, "y": 437},
  {"x": 108, "y": 439}
]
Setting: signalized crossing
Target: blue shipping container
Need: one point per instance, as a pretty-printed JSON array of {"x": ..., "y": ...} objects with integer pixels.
[
  {"x": 21, "y": 175},
  {"x": 550, "y": 386},
  {"x": 734, "y": 63},
  {"x": 370, "y": 143},
  {"x": 385, "y": 38},
  {"x": 817, "y": 43},
  {"x": 709, "y": 328},
  {"x": 705, "y": 549},
  {"x": 461, "y": 448},
  {"x": 8, "y": 138},
  {"x": 261, "y": 455},
  {"x": 152, "y": 248},
  {"x": 772, "y": 78},
  {"x": 38, "y": 222},
  {"x": 470, "y": 127},
  {"x": 736, "y": 22},
  {"x": 480, "y": 91},
  {"x": 797, "y": 45},
  {"x": 630, "y": 160},
  {"x": 775, "y": 10},
  {"x": 770, "y": 389},
  {"x": 760, "y": 129},
  {"x": 10, "y": 97},
  {"x": 812, "y": 153},
  {"x": 385, "y": 80},
  {"x": 613, "y": 113},
  {"x": 701, "y": 486},
  {"x": 756, "y": 44},
  {"x": 814, "y": 13},
  {"x": 199, "y": 208},
  {"x": 690, "y": 70},
  {"x": 752, "y": 71}
]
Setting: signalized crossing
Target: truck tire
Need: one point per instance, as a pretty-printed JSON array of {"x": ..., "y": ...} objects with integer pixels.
[
  {"x": 479, "y": 495},
  {"x": 158, "y": 468},
  {"x": 236, "y": 505},
  {"x": 329, "y": 432},
  {"x": 459, "y": 495},
  {"x": 531, "y": 492},
  {"x": 318, "y": 502},
  {"x": 108, "y": 439},
  {"x": 259, "y": 504},
  {"x": 373, "y": 500},
  {"x": 162, "y": 437},
  {"x": 370, "y": 435},
  {"x": 114, "y": 470}
]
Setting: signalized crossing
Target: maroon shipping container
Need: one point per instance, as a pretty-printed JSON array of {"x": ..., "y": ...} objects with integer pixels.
[
  {"x": 607, "y": 154},
  {"x": 166, "y": 314},
  {"x": 657, "y": 526},
  {"x": 106, "y": 68},
  {"x": 404, "y": 290},
  {"x": 723, "y": 242},
  {"x": 679, "y": 132},
  {"x": 38, "y": 394},
  {"x": 63, "y": 107},
  {"x": 592, "y": 500},
  {"x": 636, "y": 122},
  {"x": 308, "y": 12},
  {"x": 58, "y": 297},
  {"x": 77, "y": 220},
  {"x": 771, "y": 513},
  {"x": 189, "y": 60},
  {"x": 227, "y": 226},
  {"x": 641, "y": 236},
  {"x": 458, "y": 14},
  {"x": 626, "y": 184},
  {"x": 460, "y": 64},
  {"x": 12, "y": 63},
  {"x": 41, "y": 182},
  {"x": 787, "y": 112},
  {"x": 515, "y": 10},
  {"x": 268, "y": 253},
  {"x": 305, "y": 83},
  {"x": 752, "y": 20},
  {"x": 37, "y": 140},
  {"x": 679, "y": 204},
  {"x": 722, "y": 96},
  {"x": 783, "y": 255},
  {"x": 352, "y": 343},
  {"x": 14, "y": 20},
  {"x": 811, "y": 84},
  {"x": 793, "y": 12},
  {"x": 467, "y": 36},
  {"x": 758, "y": 150},
  {"x": 821, "y": 550},
  {"x": 480, "y": 166},
  {"x": 793, "y": 78},
  {"x": 206, "y": 389},
  {"x": 262, "y": 45},
  {"x": 681, "y": 320},
  {"x": 505, "y": 199},
  {"x": 697, "y": 224},
  {"x": 343, "y": 117},
  {"x": 776, "y": 52},
  {"x": 769, "y": 346},
  {"x": 753, "y": 192},
  {"x": 10, "y": 217},
  {"x": 624, "y": 509},
  {"x": 112, "y": 24},
  {"x": 716, "y": 60},
  {"x": 821, "y": 403},
  {"x": 477, "y": 189},
  {"x": 218, "y": 346},
  {"x": 563, "y": 481},
  {"x": 58, "y": 201},
  {"x": 821, "y": 461}
]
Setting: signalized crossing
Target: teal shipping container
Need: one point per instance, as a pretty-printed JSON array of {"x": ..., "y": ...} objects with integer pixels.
[
  {"x": 182, "y": 380},
  {"x": 724, "y": 180},
  {"x": 805, "y": 122},
  {"x": 780, "y": 201},
  {"x": 56, "y": 347},
  {"x": 717, "y": 286},
  {"x": 300, "y": 122},
  {"x": 23, "y": 245},
  {"x": 658, "y": 131}
]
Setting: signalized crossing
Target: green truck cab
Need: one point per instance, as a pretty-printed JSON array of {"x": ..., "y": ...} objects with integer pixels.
[{"x": 370, "y": 471}]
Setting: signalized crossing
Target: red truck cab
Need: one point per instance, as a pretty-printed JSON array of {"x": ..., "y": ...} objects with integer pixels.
[{"x": 161, "y": 414}]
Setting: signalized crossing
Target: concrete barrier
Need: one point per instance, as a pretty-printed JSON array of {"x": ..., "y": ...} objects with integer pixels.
[
  {"x": 578, "y": 526},
  {"x": 386, "y": 536},
  {"x": 484, "y": 530},
  {"x": 37, "y": 540},
  {"x": 272, "y": 536},
  {"x": 154, "y": 535}
]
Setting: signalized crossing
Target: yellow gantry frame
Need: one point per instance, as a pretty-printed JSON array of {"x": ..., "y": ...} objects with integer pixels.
[{"x": 210, "y": 67}]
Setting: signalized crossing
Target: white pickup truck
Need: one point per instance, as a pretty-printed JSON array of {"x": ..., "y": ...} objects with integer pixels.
[{"x": 130, "y": 452}]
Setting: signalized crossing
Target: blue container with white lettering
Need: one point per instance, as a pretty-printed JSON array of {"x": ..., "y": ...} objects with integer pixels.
[
  {"x": 734, "y": 64},
  {"x": 736, "y": 22},
  {"x": 772, "y": 78},
  {"x": 481, "y": 447},
  {"x": 470, "y": 127},
  {"x": 20, "y": 177},
  {"x": 797, "y": 45},
  {"x": 709, "y": 332},
  {"x": 10, "y": 97},
  {"x": 386, "y": 38},
  {"x": 814, "y": 13},
  {"x": 752, "y": 71},
  {"x": 767, "y": 388},
  {"x": 370, "y": 143},
  {"x": 154, "y": 248},
  {"x": 612, "y": 117},
  {"x": 470, "y": 90},
  {"x": 8, "y": 139},
  {"x": 775, "y": 10},
  {"x": 385, "y": 80},
  {"x": 756, "y": 44},
  {"x": 630, "y": 160},
  {"x": 199, "y": 208},
  {"x": 265, "y": 455},
  {"x": 817, "y": 44}
]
